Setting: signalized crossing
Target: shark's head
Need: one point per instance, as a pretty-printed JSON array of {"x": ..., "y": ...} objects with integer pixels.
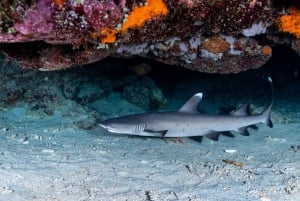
[{"x": 118, "y": 126}]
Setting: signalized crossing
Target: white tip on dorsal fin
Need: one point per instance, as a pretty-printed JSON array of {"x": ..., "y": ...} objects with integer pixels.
[{"x": 191, "y": 105}]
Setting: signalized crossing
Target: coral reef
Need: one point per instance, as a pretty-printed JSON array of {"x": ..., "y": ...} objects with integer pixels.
[
  {"x": 290, "y": 23},
  {"x": 145, "y": 94},
  {"x": 42, "y": 93},
  {"x": 208, "y": 36}
]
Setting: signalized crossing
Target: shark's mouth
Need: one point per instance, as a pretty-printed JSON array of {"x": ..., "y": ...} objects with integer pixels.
[
  {"x": 110, "y": 129},
  {"x": 113, "y": 130}
]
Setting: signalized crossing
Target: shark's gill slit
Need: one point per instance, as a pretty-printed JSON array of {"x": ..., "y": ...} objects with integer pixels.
[{"x": 140, "y": 127}]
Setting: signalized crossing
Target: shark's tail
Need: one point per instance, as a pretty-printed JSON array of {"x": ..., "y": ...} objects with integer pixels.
[{"x": 267, "y": 112}]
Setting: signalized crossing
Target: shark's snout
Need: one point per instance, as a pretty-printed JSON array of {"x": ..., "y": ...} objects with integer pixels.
[
  {"x": 110, "y": 127},
  {"x": 102, "y": 125},
  {"x": 105, "y": 126}
]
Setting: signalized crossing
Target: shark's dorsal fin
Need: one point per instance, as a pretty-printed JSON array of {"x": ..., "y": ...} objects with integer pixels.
[
  {"x": 242, "y": 110},
  {"x": 191, "y": 105}
]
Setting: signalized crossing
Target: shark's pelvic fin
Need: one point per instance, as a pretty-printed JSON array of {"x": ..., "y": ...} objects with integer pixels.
[
  {"x": 213, "y": 135},
  {"x": 244, "y": 131},
  {"x": 191, "y": 105}
]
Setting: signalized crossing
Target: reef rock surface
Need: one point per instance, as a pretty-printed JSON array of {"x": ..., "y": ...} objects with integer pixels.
[{"x": 208, "y": 36}]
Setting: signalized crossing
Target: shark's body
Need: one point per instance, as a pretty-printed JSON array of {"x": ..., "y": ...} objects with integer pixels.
[{"x": 187, "y": 122}]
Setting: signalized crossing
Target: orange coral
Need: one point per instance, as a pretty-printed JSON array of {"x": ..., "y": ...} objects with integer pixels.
[
  {"x": 215, "y": 44},
  {"x": 107, "y": 35},
  {"x": 266, "y": 50},
  {"x": 290, "y": 23},
  {"x": 59, "y": 3},
  {"x": 135, "y": 19},
  {"x": 140, "y": 15}
]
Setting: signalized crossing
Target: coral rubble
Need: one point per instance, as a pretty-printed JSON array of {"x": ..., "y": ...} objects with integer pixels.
[{"x": 209, "y": 36}]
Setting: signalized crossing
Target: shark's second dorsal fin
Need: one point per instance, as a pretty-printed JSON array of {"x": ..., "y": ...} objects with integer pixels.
[
  {"x": 191, "y": 105},
  {"x": 242, "y": 110}
]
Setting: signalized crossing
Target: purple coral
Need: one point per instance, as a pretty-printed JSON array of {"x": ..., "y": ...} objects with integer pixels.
[
  {"x": 102, "y": 14},
  {"x": 38, "y": 21}
]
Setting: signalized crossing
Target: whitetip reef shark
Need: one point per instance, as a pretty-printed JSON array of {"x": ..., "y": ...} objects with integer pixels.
[{"x": 188, "y": 121}]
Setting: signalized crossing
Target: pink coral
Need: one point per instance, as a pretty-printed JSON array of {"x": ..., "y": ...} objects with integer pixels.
[
  {"x": 38, "y": 21},
  {"x": 102, "y": 14},
  {"x": 187, "y": 3}
]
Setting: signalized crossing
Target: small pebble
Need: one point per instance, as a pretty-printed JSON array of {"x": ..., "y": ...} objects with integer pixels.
[
  {"x": 230, "y": 151},
  {"x": 4, "y": 130},
  {"x": 37, "y": 137},
  {"x": 48, "y": 151},
  {"x": 102, "y": 152},
  {"x": 13, "y": 136},
  {"x": 5, "y": 190},
  {"x": 264, "y": 198}
]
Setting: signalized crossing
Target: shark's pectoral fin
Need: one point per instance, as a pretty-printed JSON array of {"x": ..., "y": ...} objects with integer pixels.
[
  {"x": 156, "y": 133},
  {"x": 213, "y": 135}
]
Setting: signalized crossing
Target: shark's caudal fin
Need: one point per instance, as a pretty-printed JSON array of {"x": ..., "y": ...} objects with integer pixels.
[
  {"x": 267, "y": 111},
  {"x": 191, "y": 105},
  {"x": 267, "y": 119},
  {"x": 244, "y": 110}
]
